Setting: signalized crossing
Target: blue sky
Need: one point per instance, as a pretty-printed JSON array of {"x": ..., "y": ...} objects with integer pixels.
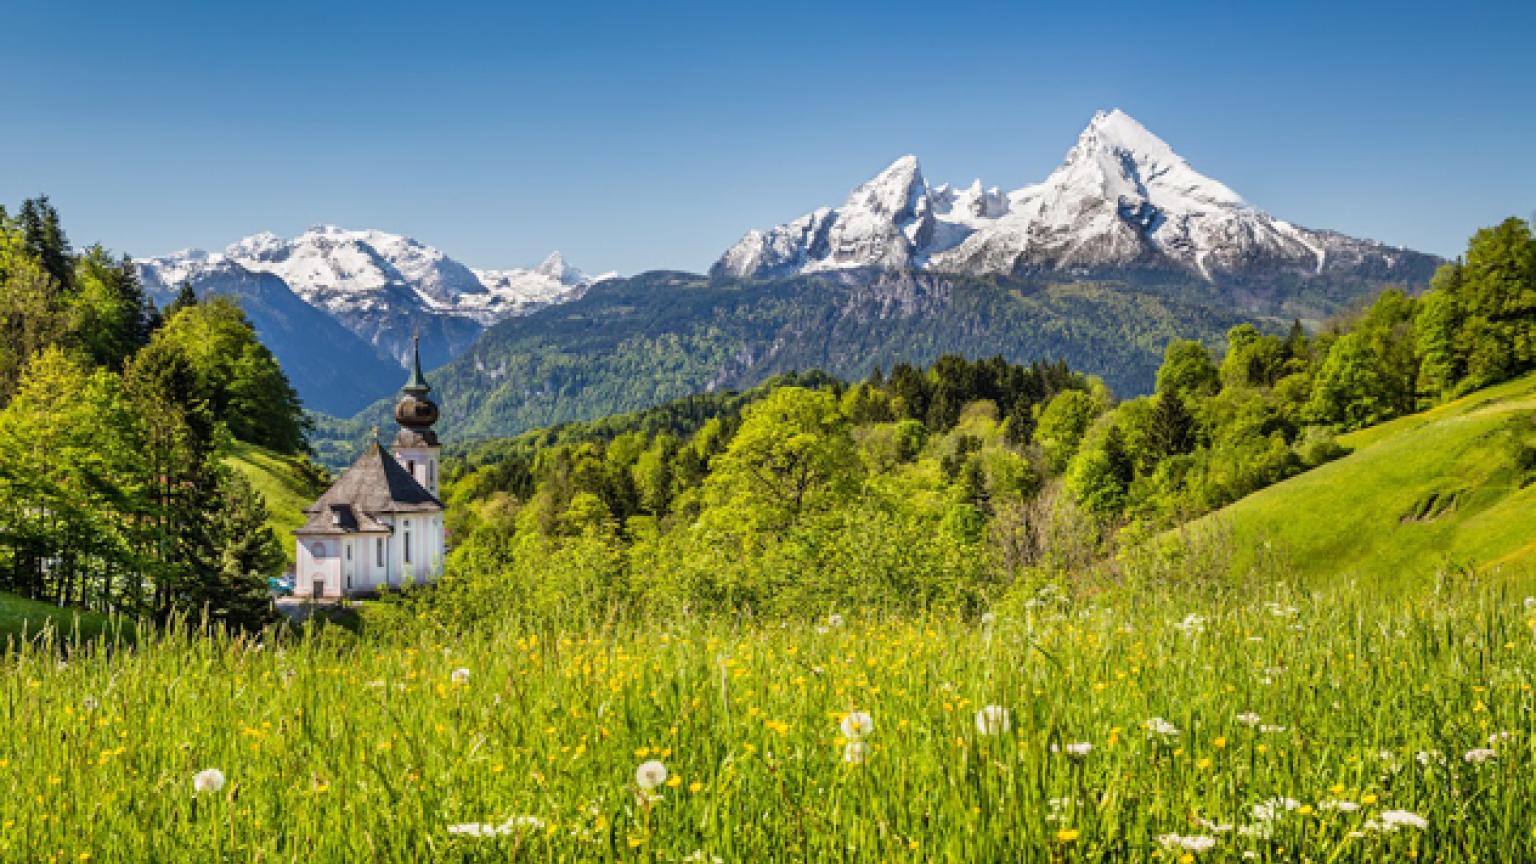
[{"x": 646, "y": 135}]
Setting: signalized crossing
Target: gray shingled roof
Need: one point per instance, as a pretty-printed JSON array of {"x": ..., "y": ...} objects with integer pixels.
[{"x": 375, "y": 483}]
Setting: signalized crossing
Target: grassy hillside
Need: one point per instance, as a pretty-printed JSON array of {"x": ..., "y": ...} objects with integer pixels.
[
  {"x": 1443, "y": 486},
  {"x": 19, "y": 616},
  {"x": 287, "y": 483}
]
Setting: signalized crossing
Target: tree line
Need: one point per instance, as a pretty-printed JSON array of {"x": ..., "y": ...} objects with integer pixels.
[{"x": 114, "y": 418}]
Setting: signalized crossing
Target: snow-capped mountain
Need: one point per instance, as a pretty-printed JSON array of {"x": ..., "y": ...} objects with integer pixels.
[
  {"x": 383, "y": 287},
  {"x": 1121, "y": 201}
]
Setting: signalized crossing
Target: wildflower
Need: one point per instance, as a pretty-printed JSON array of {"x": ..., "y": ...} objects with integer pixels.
[
  {"x": 1068, "y": 835},
  {"x": 650, "y": 774},
  {"x": 460, "y": 676},
  {"x": 522, "y": 823},
  {"x": 1193, "y": 843},
  {"x": 1248, "y": 718},
  {"x": 1271, "y": 729},
  {"x": 1530, "y": 604},
  {"x": 697, "y": 856},
  {"x": 988, "y": 619},
  {"x": 1498, "y": 738},
  {"x": 1427, "y": 758},
  {"x": 857, "y": 724},
  {"x": 1478, "y": 755},
  {"x": 855, "y": 752},
  {"x": 1159, "y": 727},
  {"x": 1391, "y": 820},
  {"x": 992, "y": 720},
  {"x": 834, "y": 620},
  {"x": 1274, "y": 808},
  {"x": 1334, "y": 805},
  {"x": 1078, "y": 749},
  {"x": 474, "y": 829},
  {"x": 1191, "y": 625},
  {"x": 208, "y": 780},
  {"x": 89, "y": 703}
]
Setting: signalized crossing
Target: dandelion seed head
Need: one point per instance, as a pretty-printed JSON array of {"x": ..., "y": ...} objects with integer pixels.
[{"x": 208, "y": 780}]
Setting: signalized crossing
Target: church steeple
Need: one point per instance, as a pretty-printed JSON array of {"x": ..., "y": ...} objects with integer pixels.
[
  {"x": 415, "y": 412},
  {"x": 417, "y": 385}
]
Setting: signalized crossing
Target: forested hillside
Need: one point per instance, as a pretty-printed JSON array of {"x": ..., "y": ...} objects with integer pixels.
[
  {"x": 633, "y": 343},
  {"x": 115, "y": 419},
  {"x": 948, "y": 485}
]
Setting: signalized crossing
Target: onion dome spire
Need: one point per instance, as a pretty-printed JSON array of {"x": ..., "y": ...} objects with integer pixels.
[{"x": 415, "y": 412}]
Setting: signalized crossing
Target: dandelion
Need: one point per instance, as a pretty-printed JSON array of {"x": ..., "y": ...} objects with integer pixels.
[
  {"x": 89, "y": 703},
  {"x": 1271, "y": 729},
  {"x": 1337, "y": 806},
  {"x": 1478, "y": 755},
  {"x": 1530, "y": 604},
  {"x": 1248, "y": 718},
  {"x": 855, "y": 752},
  {"x": 208, "y": 780},
  {"x": 460, "y": 676},
  {"x": 1158, "y": 727},
  {"x": 474, "y": 829},
  {"x": 834, "y": 620},
  {"x": 650, "y": 774},
  {"x": 1195, "y": 843},
  {"x": 992, "y": 720},
  {"x": 988, "y": 619},
  {"x": 857, "y": 724},
  {"x": 1078, "y": 749},
  {"x": 1068, "y": 835}
]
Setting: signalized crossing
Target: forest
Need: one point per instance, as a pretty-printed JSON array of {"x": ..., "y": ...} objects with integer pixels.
[
  {"x": 952, "y": 486},
  {"x": 114, "y": 419}
]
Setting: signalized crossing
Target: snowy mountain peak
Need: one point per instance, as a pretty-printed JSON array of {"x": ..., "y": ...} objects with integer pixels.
[
  {"x": 1121, "y": 199},
  {"x": 378, "y": 284}
]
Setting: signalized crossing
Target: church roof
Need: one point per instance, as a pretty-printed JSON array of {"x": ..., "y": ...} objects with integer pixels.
[{"x": 375, "y": 484}]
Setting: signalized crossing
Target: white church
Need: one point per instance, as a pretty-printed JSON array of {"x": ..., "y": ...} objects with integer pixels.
[{"x": 380, "y": 525}]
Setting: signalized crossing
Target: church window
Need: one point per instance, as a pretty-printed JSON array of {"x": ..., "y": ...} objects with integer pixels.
[
  {"x": 380, "y": 543},
  {"x": 407, "y": 544},
  {"x": 410, "y": 467},
  {"x": 349, "y": 551},
  {"x": 431, "y": 473}
]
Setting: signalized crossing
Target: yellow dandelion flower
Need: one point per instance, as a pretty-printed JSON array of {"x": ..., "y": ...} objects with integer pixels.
[{"x": 1067, "y": 835}]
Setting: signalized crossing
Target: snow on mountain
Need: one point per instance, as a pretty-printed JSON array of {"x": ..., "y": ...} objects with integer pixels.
[
  {"x": 1122, "y": 199},
  {"x": 383, "y": 287}
]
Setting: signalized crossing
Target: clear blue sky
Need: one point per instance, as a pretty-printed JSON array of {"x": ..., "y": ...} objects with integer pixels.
[{"x": 645, "y": 135}]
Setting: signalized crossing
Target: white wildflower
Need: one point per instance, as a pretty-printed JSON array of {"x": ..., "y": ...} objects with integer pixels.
[
  {"x": 522, "y": 823},
  {"x": 1338, "y": 806},
  {"x": 988, "y": 619},
  {"x": 855, "y": 752},
  {"x": 1192, "y": 624},
  {"x": 474, "y": 829},
  {"x": 1391, "y": 820},
  {"x": 1248, "y": 718},
  {"x": 992, "y": 720},
  {"x": 834, "y": 620},
  {"x": 650, "y": 775},
  {"x": 208, "y": 780},
  {"x": 460, "y": 676},
  {"x": 1479, "y": 755},
  {"x": 1271, "y": 729},
  {"x": 1194, "y": 843},
  {"x": 1159, "y": 727},
  {"x": 1427, "y": 758},
  {"x": 1530, "y": 604},
  {"x": 1274, "y": 808},
  {"x": 89, "y": 703},
  {"x": 857, "y": 724},
  {"x": 1078, "y": 749}
]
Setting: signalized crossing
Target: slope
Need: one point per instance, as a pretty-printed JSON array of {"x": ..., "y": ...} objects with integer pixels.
[
  {"x": 1452, "y": 486},
  {"x": 287, "y": 483}
]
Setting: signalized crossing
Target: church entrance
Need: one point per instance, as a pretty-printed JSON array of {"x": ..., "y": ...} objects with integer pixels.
[{"x": 319, "y": 588}]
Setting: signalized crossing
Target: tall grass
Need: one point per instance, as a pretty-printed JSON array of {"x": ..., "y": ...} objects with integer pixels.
[{"x": 1289, "y": 713}]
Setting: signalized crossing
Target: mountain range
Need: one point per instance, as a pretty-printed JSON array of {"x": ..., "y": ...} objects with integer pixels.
[
  {"x": 339, "y": 308},
  {"x": 1121, "y": 247}
]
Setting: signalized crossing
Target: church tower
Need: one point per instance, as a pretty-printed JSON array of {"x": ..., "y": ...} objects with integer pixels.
[{"x": 416, "y": 447}]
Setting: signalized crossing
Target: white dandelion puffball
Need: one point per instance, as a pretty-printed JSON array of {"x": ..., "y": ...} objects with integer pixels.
[
  {"x": 834, "y": 620},
  {"x": 650, "y": 775},
  {"x": 1530, "y": 604},
  {"x": 1078, "y": 749},
  {"x": 1160, "y": 727},
  {"x": 1479, "y": 755},
  {"x": 460, "y": 675},
  {"x": 474, "y": 829},
  {"x": 208, "y": 780},
  {"x": 855, "y": 752},
  {"x": 993, "y": 720},
  {"x": 988, "y": 619},
  {"x": 1248, "y": 718},
  {"x": 857, "y": 724}
]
